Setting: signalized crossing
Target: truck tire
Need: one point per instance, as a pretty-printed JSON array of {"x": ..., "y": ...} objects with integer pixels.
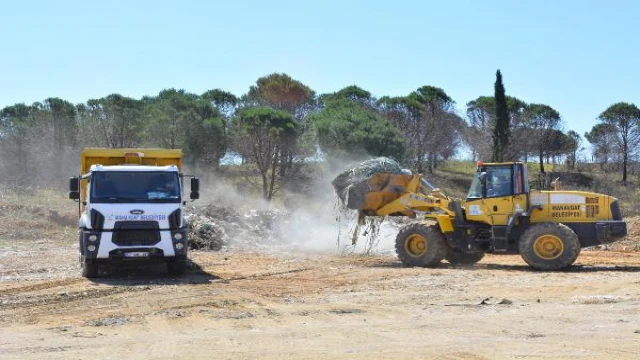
[
  {"x": 177, "y": 267},
  {"x": 89, "y": 268},
  {"x": 421, "y": 245},
  {"x": 457, "y": 257},
  {"x": 549, "y": 246}
]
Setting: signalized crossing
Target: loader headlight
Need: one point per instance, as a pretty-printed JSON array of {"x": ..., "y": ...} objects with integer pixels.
[
  {"x": 93, "y": 237},
  {"x": 178, "y": 236},
  {"x": 179, "y": 246},
  {"x": 91, "y": 248}
]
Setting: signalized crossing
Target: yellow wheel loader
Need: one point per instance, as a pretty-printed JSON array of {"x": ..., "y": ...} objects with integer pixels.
[{"x": 499, "y": 215}]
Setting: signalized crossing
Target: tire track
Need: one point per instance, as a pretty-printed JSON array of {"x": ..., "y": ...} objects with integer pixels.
[
  {"x": 67, "y": 297},
  {"x": 40, "y": 286}
]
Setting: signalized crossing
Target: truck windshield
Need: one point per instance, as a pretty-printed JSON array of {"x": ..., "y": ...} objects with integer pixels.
[{"x": 135, "y": 186}]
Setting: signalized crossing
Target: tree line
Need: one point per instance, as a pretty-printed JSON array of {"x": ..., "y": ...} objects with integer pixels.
[{"x": 280, "y": 121}]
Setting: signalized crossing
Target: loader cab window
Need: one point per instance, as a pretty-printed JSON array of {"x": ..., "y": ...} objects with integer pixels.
[
  {"x": 492, "y": 181},
  {"x": 520, "y": 181},
  {"x": 475, "y": 192},
  {"x": 499, "y": 181}
]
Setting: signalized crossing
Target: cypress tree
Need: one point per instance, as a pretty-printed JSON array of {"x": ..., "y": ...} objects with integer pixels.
[{"x": 501, "y": 130}]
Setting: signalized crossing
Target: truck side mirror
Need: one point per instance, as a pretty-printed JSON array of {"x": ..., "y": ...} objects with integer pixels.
[
  {"x": 195, "y": 188},
  {"x": 74, "y": 192}
]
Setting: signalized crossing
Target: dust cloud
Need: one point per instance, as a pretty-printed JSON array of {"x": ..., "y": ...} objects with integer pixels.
[{"x": 308, "y": 222}]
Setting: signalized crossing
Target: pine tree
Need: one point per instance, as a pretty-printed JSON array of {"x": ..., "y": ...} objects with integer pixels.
[{"x": 501, "y": 129}]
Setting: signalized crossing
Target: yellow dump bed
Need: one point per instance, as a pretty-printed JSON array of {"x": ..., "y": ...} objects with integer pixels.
[
  {"x": 126, "y": 156},
  {"x": 129, "y": 156}
]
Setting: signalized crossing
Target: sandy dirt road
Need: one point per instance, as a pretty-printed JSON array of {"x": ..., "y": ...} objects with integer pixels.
[{"x": 234, "y": 305}]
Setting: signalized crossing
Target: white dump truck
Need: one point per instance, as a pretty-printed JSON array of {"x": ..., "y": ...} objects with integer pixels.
[{"x": 130, "y": 203}]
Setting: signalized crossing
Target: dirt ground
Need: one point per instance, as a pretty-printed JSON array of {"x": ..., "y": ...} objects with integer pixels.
[
  {"x": 265, "y": 300},
  {"x": 242, "y": 305}
]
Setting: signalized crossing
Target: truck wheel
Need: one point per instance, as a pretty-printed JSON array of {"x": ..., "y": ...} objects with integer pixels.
[
  {"x": 89, "y": 268},
  {"x": 421, "y": 245},
  {"x": 457, "y": 257},
  {"x": 549, "y": 246},
  {"x": 177, "y": 267}
]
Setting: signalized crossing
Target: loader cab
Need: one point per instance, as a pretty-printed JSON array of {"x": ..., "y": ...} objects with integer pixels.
[
  {"x": 497, "y": 192},
  {"x": 499, "y": 180}
]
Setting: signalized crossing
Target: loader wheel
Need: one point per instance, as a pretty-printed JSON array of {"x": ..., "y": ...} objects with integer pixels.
[
  {"x": 549, "y": 246},
  {"x": 457, "y": 257},
  {"x": 89, "y": 268},
  {"x": 420, "y": 245}
]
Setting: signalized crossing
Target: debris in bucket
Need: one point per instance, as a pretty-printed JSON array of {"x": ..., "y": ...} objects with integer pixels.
[{"x": 351, "y": 185}]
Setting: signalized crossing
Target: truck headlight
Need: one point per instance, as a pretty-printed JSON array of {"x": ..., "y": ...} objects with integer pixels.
[
  {"x": 91, "y": 248},
  {"x": 93, "y": 237},
  {"x": 177, "y": 236}
]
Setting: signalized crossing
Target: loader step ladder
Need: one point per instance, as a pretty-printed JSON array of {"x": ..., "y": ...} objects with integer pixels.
[{"x": 500, "y": 241}]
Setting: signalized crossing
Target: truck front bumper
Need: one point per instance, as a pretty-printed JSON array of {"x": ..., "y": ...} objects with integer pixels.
[{"x": 99, "y": 245}]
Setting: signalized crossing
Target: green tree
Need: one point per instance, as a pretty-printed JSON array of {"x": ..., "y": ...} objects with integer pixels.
[
  {"x": 282, "y": 92},
  {"x": 62, "y": 116},
  {"x": 602, "y": 137},
  {"x": 428, "y": 122},
  {"x": 541, "y": 121},
  {"x": 16, "y": 134},
  {"x": 347, "y": 129},
  {"x": 224, "y": 101},
  {"x": 351, "y": 93},
  {"x": 36, "y": 141},
  {"x": 574, "y": 141},
  {"x": 625, "y": 119},
  {"x": 501, "y": 130},
  {"x": 262, "y": 134},
  {"x": 177, "y": 119},
  {"x": 481, "y": 118},
  {"x": 114, "y": 121}
]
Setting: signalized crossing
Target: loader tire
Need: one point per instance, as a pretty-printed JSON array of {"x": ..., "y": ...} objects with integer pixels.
[
  {"x": 89, "y": 268},
  {"x": 457, "y": 257},
  {"x": 549, "y": 246},
  {"x": 421, "y": 245}
]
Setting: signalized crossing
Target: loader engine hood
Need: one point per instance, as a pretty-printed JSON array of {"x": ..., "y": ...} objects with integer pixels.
[{"x": 575, "y": 206}]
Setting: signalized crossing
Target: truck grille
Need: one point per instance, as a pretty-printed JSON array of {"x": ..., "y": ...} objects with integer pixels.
[{"x": 136, "y": 233}]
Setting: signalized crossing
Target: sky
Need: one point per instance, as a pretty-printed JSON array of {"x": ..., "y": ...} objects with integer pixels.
[{"x": 578, "y": 57}]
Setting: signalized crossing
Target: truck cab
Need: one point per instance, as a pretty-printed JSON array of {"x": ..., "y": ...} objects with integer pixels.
[{"x": 130, "y": 204}]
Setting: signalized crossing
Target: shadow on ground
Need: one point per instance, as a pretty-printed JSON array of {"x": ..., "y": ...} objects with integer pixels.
[
  {"x": 153, "y": 274},
  {"x": 520, "y": 268}
]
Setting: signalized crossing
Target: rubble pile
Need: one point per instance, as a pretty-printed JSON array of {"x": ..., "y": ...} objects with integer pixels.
[
  {"x": 631, "y": 242},
  {"x": 351, "y": 185},
  {"x": 205, "y": 234},
  {"x": 213, "y": 227}
]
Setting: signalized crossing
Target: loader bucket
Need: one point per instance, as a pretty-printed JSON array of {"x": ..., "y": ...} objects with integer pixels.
[{"x": 376, "y": 191}]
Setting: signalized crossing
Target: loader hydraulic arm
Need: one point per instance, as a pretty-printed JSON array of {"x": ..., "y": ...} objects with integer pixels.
[
  {"x": 416, "y": 200},
  {"x": 412, "y": 204}
]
